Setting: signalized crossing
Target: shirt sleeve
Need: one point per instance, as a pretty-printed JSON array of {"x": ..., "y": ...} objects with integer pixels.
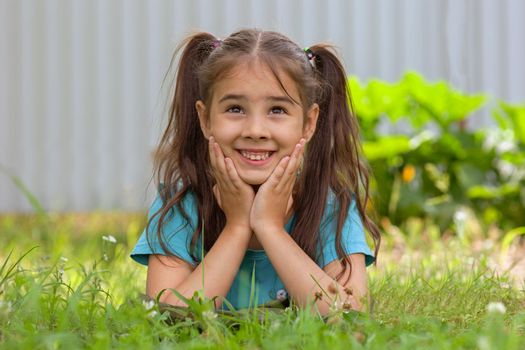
[
  {"x": 176, "y": 233},
  {"x": 352, "y": 235}
]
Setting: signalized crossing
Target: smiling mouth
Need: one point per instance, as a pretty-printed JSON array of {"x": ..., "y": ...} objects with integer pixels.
[{"x": 256, "y": 156}]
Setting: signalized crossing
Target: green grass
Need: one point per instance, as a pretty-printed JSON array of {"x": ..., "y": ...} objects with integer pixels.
[{"x": 63, "y": 286}]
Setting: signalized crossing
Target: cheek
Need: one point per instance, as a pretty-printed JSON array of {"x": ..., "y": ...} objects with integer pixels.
[
  {"x": 289, "y": 139},
  {"x": 222, "y": 132},
  {"x": 225, "y": 141}
]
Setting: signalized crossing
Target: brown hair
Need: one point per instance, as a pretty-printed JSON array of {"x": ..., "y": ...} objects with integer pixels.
[{"x": 332, "y": 159}]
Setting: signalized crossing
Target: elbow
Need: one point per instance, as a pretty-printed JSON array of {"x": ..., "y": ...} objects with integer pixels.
[
  {"x": 165, "y": 296},
  {"x": 157, "y": 294},
  {"x": 179, "y": 298}
]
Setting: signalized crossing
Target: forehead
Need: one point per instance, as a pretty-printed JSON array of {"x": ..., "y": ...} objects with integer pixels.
[{"x": 255, "y": 79}]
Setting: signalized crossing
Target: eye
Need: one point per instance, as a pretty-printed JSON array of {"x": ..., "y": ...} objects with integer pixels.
[
  {"x": 277, "y": 110},
  {"x": 234, "y": 109}
]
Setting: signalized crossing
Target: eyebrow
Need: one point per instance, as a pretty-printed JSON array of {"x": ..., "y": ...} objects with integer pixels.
[{"x": 285, "y": 99}]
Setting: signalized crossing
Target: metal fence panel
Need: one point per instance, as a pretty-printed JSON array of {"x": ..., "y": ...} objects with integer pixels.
[{"x": 81, "y": 104}]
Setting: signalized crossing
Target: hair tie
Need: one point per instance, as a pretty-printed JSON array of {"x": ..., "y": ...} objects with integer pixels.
[
  {"x": 216, "y": 43},
  {"x": 310, "y": 56}
]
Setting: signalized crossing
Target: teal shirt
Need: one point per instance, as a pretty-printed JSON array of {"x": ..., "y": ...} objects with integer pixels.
[{"x": 177, "y": 235}]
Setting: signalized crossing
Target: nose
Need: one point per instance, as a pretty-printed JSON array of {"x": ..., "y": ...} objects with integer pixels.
[{"x": 256, "y": 127}]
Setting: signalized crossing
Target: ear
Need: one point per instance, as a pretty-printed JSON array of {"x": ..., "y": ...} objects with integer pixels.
[
  {"x": 203, "y": 120},
  {"x": 311, "y": 122}
]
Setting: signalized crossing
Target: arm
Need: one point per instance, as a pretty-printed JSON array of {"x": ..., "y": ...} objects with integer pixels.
[
  {"x": 221, "y": 264},
  {"x": 297, "y": 271},
  {"x": 293, "y": 265}
]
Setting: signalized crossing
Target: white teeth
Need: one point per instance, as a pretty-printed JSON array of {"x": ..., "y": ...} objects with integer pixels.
[{"x": 255, "y": 156}]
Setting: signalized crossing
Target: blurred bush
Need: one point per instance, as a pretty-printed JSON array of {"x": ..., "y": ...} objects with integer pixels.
[{"x": 429, "y": 164}]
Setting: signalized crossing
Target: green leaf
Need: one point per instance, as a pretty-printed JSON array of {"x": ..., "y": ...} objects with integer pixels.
[
  {"x": 515, "y": 115},
  {"x": 439, "y": 102},
  {"x": 469, "y": 175},
  {"x": 487, "y": 192},
  {"x": 386, "y": 147},
  {"x": 510, "y": 236}
]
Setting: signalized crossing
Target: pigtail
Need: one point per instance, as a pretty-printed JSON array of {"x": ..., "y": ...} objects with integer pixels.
[
  {"x": 182, "y": 146},
  {"x": 348, "y": 175},
  {"x": 332, "y": 158}
]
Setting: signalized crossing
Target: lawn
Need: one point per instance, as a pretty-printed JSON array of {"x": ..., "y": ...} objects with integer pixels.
[{"x": 66, "y": 281}]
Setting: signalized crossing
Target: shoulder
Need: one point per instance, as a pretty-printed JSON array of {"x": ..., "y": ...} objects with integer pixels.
[
  {"x": 188, "y": 203},
  {"x": 352, "y": 236},
  {"x": 174, "y": 232}
]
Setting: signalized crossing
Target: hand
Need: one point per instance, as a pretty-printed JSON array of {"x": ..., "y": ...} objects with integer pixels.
[
  {"x": 273, "y": 200},
  {"x": 234, "y": 196}
]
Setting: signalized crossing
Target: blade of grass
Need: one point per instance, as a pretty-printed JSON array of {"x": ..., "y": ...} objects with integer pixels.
[
  {"x": 12, "y": 267},
  {"x": 35, "y": 203}
]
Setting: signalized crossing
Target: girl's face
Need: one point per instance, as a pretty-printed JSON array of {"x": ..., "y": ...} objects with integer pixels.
[{"x": 254, "y": 121}]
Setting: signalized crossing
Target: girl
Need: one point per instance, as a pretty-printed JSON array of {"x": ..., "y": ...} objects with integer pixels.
[{"x": 260, "y": 167}]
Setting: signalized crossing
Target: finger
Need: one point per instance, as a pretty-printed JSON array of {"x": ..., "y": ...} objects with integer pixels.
[
  {"x": 213, "y": 155},
  {"x": 220, "y": 167},
  {"x": 278, "y": 172},
  {"x": 289, "y": 176},
  {"x": 217, "y": 194},
  {"x": 214, "y": 162},
  {"x": 299, "y": 148},
  {"x": 233, "y": 174},
  {"x": 297, "y": 157}
]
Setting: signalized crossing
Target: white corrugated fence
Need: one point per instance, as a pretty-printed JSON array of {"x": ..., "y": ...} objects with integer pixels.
[{"x": 81, "y": 106}]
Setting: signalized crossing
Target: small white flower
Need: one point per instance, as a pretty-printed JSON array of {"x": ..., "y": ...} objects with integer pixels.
[
  {"x": 209, "y": 315},
  {"x": 281, "y": 294},
  {"x": 501, "y": 141},
  {"x": 496, "y": 307},
  {"x": 63, "y": 258},
  {"x": 109, "y": 238},
  {"x": 505, "y": 146},
  {"x": 488, "y": 244},
  {"x": 421, "y": 137},
  {"x": 484, "y": 343},
  {"x": 8, "y": 306},
  {"x": 506, "y": 169},
  {"x": 152, "y": 314},
  {"x": 460, "y": 215},
  {"x": 275, "y": 325},
  {"x": 105, "y": 257},
  {"x": 148, "y": 305},
  {"x": 505, "y": 285},
  {"x": 491, "y": 138}
]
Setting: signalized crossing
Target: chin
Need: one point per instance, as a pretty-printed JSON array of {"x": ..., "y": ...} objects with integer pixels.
[{"x": 254, "y": 180}]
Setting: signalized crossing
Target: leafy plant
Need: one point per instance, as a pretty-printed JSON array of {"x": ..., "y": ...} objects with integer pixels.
[{"x": 432, "y": 164}]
